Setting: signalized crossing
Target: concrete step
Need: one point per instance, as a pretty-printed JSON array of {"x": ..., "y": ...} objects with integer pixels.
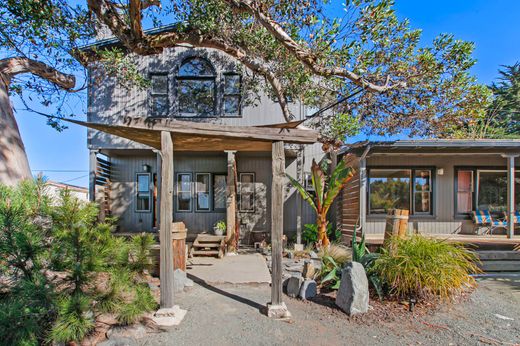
[{"x": 489, "y": 255}]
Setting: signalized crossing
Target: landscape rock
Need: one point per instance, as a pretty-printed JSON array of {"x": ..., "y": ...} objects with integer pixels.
[
  {"x": 118, "y": 342},
  {"x": 136, "y": 331},
  {"x": 293, "y": 286},
  {"x": 308, "y": 270},
  {"x": 313, "y": 255},
  {"x": 180, "y": 280},
  {"x": 352, "y": 295},
  {"x": 308, "y": 289}
]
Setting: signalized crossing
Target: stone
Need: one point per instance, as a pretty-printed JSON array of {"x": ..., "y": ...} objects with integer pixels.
[
  {"x": 293, "y": 286},
  {"x": 277, "y": 311},
  {"x": 352, "y": 295},
  {"x": 136, "y": 331},
  {"x": 118, "y": 342},
  {"x": 308, "y": 290},
  {"x": 169, "y": 317},
  {"x": 179, "y": 280},
  {"x": 290, "y": 255},
  {"x": 308, "y": 270},
  {"x": 298, "y": 247},
  {"x": 313, "y": 255}
]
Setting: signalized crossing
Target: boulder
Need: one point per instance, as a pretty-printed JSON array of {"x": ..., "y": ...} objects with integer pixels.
[
  {"x": 180, "y": 280},
  {"x": 136, "y": 331},
  {"x": 118, "y": 342},
  {"x": 352, "y": 295},
  {"x": 293, "y": 286},
  {"x": 308, "y": 289}
]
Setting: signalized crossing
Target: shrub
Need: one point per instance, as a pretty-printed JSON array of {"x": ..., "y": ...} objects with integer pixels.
[
  {"x": 310, "y": 233},
  {"x": 333, "y": 259},
  {"x": 422, "y": 267}
]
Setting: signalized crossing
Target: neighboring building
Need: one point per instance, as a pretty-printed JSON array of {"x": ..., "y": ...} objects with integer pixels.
[
  {"x": 54, "y": 189},
  {"x": 440, "y": 182},
  {"x": 200, "y": 85}
]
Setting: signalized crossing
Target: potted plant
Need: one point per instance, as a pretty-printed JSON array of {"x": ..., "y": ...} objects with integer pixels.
[{"x": 220, "y": 227}]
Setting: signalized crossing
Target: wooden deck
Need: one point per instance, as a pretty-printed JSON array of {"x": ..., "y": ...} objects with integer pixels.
[{"x": 478, "y": 240}]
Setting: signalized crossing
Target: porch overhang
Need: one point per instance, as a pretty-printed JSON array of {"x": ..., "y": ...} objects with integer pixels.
[{"x": 194, "y": 136}]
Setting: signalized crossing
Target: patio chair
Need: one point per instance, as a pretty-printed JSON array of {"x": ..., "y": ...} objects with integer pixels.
[
  {"x": 516, "y": 219},
  {"x": 482, "y": 219}
]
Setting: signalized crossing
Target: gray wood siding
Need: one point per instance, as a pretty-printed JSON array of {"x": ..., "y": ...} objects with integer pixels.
[
  {"x": 443, "y": 220},
  {"x": 109, "y": 99}
]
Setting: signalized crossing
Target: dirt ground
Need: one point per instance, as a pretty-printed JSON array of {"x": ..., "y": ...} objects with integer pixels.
[{"x": 220, "y": 315}]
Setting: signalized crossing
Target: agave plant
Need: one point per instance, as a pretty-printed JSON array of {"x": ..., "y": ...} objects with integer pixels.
[{"x": 325, "y": 191}]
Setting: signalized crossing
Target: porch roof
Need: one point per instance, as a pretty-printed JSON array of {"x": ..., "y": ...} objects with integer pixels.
[
  {"x": 435, "y": 146},
  {"x": 195, "y": 136}
]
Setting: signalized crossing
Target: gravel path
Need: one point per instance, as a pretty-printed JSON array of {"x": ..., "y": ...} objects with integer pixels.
[{"x": 229, "y": 316}]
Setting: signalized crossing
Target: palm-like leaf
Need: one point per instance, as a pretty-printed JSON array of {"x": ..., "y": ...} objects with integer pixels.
[
  {"x": 339, "y": 177},
  {"x": 318, "y": 182},
  {"x": 305, "y": 195}
]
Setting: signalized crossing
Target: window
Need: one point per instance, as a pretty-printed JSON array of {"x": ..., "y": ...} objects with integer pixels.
[
  {"x": 196, "y": 88},
  {"x": 484, "y": 189},
  {"x": 184, "y": 192},
  {"x": 247, "y": 192},
  {"x": 202, "y": 191},
  {"x": 464, "y": 191},
  {"x": 219, "y": 191},
  {"x": 159, "y": 95},
  {"x": 397, "y": 188},
  {"x": 143, "y": 192},
  {"x": 232, "y": 97}
]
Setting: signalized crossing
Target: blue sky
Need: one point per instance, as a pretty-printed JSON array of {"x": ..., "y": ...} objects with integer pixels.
[{"x": 491, "y": 24}]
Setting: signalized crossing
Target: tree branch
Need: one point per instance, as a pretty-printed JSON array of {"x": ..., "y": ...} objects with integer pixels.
[
  {"x": 301, "y": 53},
  {"x": 12, "y": 66}
]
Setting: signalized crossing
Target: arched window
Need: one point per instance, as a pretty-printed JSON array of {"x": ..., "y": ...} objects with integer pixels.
[{"x": 196, "y": 88}]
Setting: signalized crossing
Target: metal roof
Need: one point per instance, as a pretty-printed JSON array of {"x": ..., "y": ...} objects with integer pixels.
[{"x": 433, "y": 145}]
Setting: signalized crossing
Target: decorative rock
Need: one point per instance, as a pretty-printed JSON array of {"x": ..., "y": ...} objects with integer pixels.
[
  {"x": 293, "y": 286},
  {"x": 298, "y": 247},
  {"x": 313, "y": 255},
  {"x": 136, "y": 331},
  {"x": 179, "y": 280},
  {"x": 118, "y": 342},
  {"x": 308, "y": 270},
  {"x": 308, "y": 289},
  {"x": 352, "y": 295}
]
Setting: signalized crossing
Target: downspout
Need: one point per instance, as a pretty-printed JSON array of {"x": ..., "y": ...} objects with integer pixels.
[{"x": 363, "y": 189}]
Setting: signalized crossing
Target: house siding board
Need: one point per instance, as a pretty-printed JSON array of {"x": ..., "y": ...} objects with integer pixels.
[
  {"x": 443, "y": 220},
  {"x": 350, "y": 200}
]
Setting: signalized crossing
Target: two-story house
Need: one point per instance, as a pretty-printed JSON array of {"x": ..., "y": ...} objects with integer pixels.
[{"x": 197, "y": 85}]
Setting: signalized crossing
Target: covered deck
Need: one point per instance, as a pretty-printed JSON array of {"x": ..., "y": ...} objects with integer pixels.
[{"x": 168, "y": 136}]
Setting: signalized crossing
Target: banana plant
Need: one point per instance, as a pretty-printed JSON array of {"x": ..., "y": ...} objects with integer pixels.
[{"x": 325, "y": 191}]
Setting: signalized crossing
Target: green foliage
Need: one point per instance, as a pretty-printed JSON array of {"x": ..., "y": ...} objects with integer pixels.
[
  {"x": 361, "y": 255},
  {"x": 221, "y": 226},
  {"x": 424, "y": 267},
  {"x": 330, "y": 272},
  {"x": 310, "y": 233},
  {"x": 97, "y": 271}
]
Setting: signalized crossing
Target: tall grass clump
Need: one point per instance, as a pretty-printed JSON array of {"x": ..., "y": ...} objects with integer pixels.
[{"x": 423, "y": 267}]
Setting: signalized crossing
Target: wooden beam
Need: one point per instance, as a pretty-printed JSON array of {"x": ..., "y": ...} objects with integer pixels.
[
  {"x": 231, "y": 199},
  {"x": 277, "y": 201},
  {"x": 166, "y": 219}
]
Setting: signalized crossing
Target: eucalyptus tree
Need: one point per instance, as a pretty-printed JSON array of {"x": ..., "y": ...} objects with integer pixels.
[{"x": 314, "y": 51}]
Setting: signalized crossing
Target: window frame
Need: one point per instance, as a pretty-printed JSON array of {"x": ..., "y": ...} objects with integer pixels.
[
  {"x": 210, "y": 193},
  {"x": 240, "y": 192},
  {"x": 196, "y": 78},
  {"x": 224, "y": 94},
  {"x": 149, "y": 210},
  {"x": 177, "y": 185},
  {"x": 412, "y": 169},
  {"x": 166, "y": 94}
]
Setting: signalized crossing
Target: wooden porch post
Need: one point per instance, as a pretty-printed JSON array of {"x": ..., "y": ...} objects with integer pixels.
[
  {"x": 510, "y": 195},
  {"x": 231, "y": 199},
  {"x": 166, "y": 219},
  {"x": 276, "y": 308},
  {"x": 92, "y": 175}
]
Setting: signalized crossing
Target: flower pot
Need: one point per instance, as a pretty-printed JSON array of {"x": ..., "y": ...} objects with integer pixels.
[{"x": 218, "y": 231}]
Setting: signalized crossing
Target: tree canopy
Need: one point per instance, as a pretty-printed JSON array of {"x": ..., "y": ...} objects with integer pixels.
[{"x": 314, "y": 51}]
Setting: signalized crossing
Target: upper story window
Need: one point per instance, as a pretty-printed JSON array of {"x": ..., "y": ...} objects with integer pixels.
[
  {"x": 159, "y": 95},
  {"x": 196, "y": 88},
  {"x": 232, "y": 95}
]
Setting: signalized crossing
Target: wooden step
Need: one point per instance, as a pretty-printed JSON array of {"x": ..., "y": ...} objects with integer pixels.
[
  {"x": 206, "y": 245},
  {"x": 205, "y": 252},
  {"x": 488, "y": 255},
  {"x": 500, "y": 266}
]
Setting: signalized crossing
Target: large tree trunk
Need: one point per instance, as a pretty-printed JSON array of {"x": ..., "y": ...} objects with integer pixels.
[
  {"x": 14, "y": 165},
  {"x": 323, "y": 240}
]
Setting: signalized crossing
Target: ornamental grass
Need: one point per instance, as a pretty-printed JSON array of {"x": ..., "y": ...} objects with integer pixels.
[{"x": 423, "y": 267}]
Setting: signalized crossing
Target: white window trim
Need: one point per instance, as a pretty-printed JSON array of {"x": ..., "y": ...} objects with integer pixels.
[
  {"x": 137, "y": 193},
  {"x": 177, "y": 190},
  {"x": 210, "y": 195}
]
